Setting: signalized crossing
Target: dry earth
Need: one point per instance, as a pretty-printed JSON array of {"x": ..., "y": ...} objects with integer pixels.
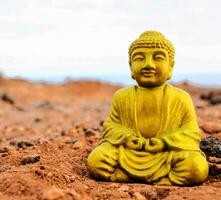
[{"x": 47, "y": 131}]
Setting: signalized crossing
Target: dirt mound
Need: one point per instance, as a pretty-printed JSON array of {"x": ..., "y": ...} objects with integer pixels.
[{"x": 48, "y": 130}]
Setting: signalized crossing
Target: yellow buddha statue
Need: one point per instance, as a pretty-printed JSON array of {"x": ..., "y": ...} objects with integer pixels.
[{"x": 151, "y": 134}]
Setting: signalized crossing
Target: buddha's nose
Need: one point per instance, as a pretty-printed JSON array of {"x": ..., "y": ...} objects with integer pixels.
[{"x": 149, "y": 64}]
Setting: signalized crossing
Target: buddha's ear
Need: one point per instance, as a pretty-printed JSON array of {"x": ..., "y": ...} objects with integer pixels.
[
  {"x": 172, "y": 63},
  {"x": 132, "y": 76},
  {"x": 129, "y": 62},
  {"x": 171, "y": 69}
]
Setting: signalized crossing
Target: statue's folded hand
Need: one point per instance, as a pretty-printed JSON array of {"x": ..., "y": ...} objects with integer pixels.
[
  {"x": 135, "y": 143},
  {"x": 154, "y": 145}
]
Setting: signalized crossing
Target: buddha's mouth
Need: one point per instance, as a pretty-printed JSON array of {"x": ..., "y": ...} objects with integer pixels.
[{"x": 148, "y": 73}]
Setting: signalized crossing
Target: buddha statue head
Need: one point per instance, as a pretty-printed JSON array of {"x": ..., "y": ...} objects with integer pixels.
[{"x": 151, "y": 59}]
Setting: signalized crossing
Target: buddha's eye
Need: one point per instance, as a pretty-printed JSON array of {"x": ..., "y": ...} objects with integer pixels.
[
  {"x": 159, "y": 57},
  {"x": 138, "y": 58}
]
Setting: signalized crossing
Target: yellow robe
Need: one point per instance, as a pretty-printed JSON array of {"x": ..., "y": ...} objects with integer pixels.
[{"x": 177, "y": 127}]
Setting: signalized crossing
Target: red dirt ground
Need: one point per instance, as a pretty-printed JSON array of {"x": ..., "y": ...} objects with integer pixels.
[{"x": 60, "y": 124}]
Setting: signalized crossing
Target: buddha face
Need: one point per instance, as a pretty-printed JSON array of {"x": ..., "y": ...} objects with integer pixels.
[{"x": 150, "y": 67}]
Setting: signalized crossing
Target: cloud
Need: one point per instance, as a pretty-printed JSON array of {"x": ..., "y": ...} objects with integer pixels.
[{"x": 89, "y": 37}]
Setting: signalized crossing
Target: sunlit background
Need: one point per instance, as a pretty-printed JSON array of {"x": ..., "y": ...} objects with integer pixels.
[{"x": 51, "y": 40}]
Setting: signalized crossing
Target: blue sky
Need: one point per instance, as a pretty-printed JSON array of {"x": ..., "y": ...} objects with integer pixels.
[{"x": 43, "y": 39}]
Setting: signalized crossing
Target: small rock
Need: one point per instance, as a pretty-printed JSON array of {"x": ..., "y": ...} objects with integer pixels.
[
  {"x": 6, "y": 98},
  {"x": 4, "y": 149},
  {"x": 213, "y": 97},
  {"x": 67, "y": 178},
  {"x": 90, "y": 132},
  {"x": 72, "y": 141},
  {"x": 215, "y": 100},
  {"x": 39, "y": 172},
  {"x": 20, "y": 109},
  {"x": 139, "y": 196},
  {"x": 45, "y": 105},
  {"x": 37, "y": 120},
  {"x": 72, "y": 132},
  {"x": 78, "y": 125},
  {"x": 21, "y": 143},
  {"x": 30, "y": 159},
  {"x": 42, "y": 167},
  {"x": 4, "y": 155},
  {"x": 150, "y": 194},
  {"x": 101, "y": 122},
  {"x": 217, "y": 149},
  {"x": 214, "y": 160},
  {"x": 214, "y": 178},
  {"x": 3, "y": 168},
  {"x": 63, "y": 132},
  {"x": 124, "y": 188},
  {"x": 206, "y": 96},
  {"x": 162, "y": 192},
  {"x": 211, "y": 127},
  {"x": 211, "y": 146},
  {"x": 214, "y": 169},
  {"x": 50, "y": 174}
]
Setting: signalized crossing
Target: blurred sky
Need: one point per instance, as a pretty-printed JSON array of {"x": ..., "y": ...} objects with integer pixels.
[{"x": 53, "y": 39}]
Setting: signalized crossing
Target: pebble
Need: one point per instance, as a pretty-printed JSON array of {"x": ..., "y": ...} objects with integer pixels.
[
  {"x": 124, "y": 188},
  {"x": 20, "y": 108},
  {"x": 4, "y": 149},
  {"x": 215, "y": 100},
  {"x": 211, "y": 127},
  {"x": 101, "y": 123},
  {"x": 213, "y": 97},
  {"x": 211, "y": 146},
  {"x": 214, "y": 169},
  {"x": 91, "y": 132},
  {"x": 3, "y": 168},
  {"x": 6, "y": 98},
  {"x": 139, "y": 196},
  {"x": 37, "y": 120},
  {"x": 21, "y": 143},
  {"x": 45, "y": 105},
  {"x": 39, "y": 172},
  {"x": 162, "y": 192},
  {"x": 214, "y": 160},
  {"x": 63, "y": 132},
  {"x": 71, "y": 141},
  {"x": 206, "y": 96},
  {"x": 50, "y": 174},
  {"x": 30, "y": 159}
]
